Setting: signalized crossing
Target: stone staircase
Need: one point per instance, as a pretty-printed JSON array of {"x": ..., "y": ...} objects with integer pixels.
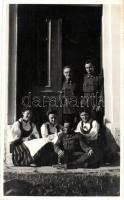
[{"x": 50, "y": 181}]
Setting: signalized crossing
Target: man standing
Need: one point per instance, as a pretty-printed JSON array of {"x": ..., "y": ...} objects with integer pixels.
[
  {"x": 93, "y": 92},
  {"x": 69, "y": 95}
]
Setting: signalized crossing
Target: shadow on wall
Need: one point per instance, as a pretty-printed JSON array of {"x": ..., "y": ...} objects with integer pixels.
[{"x": 112, "y": 148}]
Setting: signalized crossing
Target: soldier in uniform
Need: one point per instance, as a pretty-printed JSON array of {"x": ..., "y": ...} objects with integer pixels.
[
  {"x": 93, "y": 98},
  {"x": 71, "y": 149},
  {"x": 69, "y": 95},
  {"x": 93, "y": 92}
]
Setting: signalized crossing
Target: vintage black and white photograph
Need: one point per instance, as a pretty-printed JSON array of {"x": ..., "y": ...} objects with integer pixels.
[{"x": 62, "y": 100}]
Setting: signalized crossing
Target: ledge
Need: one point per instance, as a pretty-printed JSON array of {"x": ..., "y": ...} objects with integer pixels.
[{"x": 112, "y": 170}]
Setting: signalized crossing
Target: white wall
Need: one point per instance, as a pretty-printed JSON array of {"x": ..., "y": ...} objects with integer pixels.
[{"x": 112, "y": 39}]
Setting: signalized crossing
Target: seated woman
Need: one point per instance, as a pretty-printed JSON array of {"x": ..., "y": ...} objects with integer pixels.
[
  {"x": 49, "y": 131},
  {"x": 51, "y": 128},
  {"x": 23, "y": 130},
  {"x": 89, "y": 129}
]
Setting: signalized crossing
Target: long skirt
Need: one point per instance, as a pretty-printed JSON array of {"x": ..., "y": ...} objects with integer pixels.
[
  {"x": 46, "y": 156},
  {"x": 21, "y": 155}
]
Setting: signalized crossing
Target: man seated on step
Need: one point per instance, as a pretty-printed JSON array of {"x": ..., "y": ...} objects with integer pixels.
[{"x": 71, "y": 149}]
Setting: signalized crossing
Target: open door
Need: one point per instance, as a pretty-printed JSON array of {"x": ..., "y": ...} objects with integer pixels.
[
  {"x": 81, "y": 38},
  {"x": 39, "y": 62},
  {"x": 49, "y": 37}
]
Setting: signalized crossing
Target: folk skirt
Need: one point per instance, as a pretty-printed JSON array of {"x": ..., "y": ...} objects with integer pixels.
[{"x": 21, "y": 155}]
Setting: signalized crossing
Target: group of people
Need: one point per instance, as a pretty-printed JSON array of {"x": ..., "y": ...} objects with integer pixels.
[
  {"x": 89, "y": 93},
  {"x": 58, "y": 144},
  {"x": 73, "y": 146}
]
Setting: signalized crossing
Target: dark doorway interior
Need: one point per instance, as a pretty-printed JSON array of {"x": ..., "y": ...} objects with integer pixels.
[{"x": 81, "y": 39}]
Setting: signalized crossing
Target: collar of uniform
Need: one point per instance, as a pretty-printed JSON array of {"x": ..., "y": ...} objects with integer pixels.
[
  {"x": 90, "y": 76},
  {"x": 68, "y": 81}
]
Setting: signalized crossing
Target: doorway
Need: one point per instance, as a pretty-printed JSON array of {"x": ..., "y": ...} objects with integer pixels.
[
  {"x": 81, "y": 38},
  {"x": 50, "y": 37}
]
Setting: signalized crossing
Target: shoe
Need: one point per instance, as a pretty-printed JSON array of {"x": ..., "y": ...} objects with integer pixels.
[
  {"x": 60, "y": 166},
  {"x": 33, "y": 165}
]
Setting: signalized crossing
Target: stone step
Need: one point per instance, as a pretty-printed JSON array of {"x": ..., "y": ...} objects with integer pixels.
[{"x": 51, "y": 181}]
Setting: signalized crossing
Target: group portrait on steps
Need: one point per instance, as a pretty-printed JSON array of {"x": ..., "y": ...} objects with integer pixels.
[{"x": 78, "y": 141}]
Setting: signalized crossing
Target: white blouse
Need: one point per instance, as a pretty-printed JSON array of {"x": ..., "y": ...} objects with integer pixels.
[
  {"x": 44, "y": 129},
  {"x": 16, "y": 131},
  {"x": 93, "y": 131}
]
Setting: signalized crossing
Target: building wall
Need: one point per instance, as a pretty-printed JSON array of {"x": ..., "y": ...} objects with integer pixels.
[
  {"x": 111, "y": 43},
  {"x": 116, "y": 66},
  {"x": 112, "y": 67}
]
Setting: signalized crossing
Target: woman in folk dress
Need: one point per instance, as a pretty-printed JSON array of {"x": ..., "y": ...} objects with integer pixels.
[
  {"x": 90, "y": 130},
  {"x": 49, "y": 131},
  {"x": 23, "y": 130}
]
